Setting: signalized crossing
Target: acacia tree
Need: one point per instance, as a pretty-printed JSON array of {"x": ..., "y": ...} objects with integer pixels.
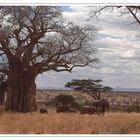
[
  {"x": 90, "y": 87},
  {"x": 34, "y": 40}
]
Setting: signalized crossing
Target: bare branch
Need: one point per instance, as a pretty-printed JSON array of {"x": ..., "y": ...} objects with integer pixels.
[
  {"x": 94, "y": 13},
  {"x": 133, "y": 14},
  {"x": 133, "y": 10},
  {"x": 39, "y": 39}
]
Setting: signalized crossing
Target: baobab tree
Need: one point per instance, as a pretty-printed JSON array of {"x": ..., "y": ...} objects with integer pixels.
[{"x": 34, "y": 40}]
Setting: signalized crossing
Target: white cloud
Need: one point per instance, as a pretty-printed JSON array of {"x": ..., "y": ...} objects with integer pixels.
[
  {"x": 118, "y": 50},
  {"x": 78, "y": 16}
]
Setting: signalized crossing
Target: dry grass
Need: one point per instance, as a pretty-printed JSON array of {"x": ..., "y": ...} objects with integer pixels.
[{"x": 52, "y": 123}]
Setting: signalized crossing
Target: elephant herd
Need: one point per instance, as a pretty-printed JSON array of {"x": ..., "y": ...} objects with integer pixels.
[{"x": 99, "y": 106}]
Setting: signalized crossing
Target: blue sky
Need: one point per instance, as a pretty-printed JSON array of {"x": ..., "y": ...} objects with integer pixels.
[
  {"x": 67, "y": 9},
  {"x": 118, "y": 48}
]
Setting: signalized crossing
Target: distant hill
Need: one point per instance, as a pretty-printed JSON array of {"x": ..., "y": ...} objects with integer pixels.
[
  {"x": 117, "y": 89},
  {"x": 53, "y": 88},
  {"x": 126, "y": 89}
]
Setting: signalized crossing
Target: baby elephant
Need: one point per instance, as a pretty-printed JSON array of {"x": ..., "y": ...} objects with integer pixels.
[{"x": 44, "y": 111}]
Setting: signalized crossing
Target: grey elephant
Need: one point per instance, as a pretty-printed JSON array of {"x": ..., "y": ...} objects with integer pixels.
[
  {"x": 44, "y": 111},
  {"x": 72, "y": 110},
  {"x": 101, "y": 105},
  {"x": 87, "y": 110},
  {"x": 62, "y": 108}
]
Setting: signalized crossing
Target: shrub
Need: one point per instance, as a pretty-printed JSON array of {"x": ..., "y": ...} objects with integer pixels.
[{"x": 64, "y": 99}]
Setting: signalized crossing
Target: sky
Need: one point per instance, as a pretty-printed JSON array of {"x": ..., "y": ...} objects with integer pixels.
[{"x": 118, "y": 50}]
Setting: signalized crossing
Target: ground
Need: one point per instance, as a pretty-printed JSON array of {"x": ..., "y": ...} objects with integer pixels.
[{"x": 54, "y": 123}]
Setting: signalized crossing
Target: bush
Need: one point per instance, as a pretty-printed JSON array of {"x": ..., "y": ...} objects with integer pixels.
[
  {"x": 64, "y": 99},
  {"x": 125, "y": 108},
  {"x": 133, "y": 108}
]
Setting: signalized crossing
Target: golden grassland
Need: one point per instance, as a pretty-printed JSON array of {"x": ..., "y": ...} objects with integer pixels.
[{"x": 53, "y": 123}]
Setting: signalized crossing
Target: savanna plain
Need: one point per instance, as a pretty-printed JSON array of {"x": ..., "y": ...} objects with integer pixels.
[{"x": 69, "y": 123}]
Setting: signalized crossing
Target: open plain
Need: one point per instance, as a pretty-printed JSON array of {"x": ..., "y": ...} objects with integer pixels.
[{"x": 69, "y": 123}]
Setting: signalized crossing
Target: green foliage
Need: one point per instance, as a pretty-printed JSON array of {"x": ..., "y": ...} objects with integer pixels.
[
  {"x": 81, "y": 84},
  {"x": 64, "y": 99},
  {"x": 91, "y": 87}
]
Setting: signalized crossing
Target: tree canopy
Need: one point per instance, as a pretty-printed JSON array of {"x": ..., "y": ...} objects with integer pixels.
[
  {"x": 35, "y": 39},
  {"x": 39, "y": 38},
  {"x": 90, "y": 87}
]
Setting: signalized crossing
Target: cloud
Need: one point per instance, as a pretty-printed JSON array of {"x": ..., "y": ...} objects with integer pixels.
[
  {"x": 78, "y": 16},
  {"x": 117, "y": 46}
]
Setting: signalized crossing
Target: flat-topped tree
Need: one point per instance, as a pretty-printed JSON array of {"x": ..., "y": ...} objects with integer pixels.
[
  {"x": 90, "y": 87},
  {"x": 35, "y": 39}
]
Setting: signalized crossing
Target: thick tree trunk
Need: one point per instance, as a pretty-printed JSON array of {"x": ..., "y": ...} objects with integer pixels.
[
  {"x": 2, "y": 96},
  {"x": 2, "y": 93},
  {"x": 21, "y": 94}
]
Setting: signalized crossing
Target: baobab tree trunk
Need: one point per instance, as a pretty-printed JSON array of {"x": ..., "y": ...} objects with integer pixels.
[
  {"x": 2, "y": 91},
  {"x": 3, "y": 88},
  {"x": 21, "y": 93}
]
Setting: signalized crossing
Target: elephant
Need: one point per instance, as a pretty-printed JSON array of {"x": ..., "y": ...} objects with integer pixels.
[
  {"x": 87, "y": 110},
  {"x": 43, "y": 111},
  {"x": 72, "y": 110},
  {"x": 62, "y": 108},
  {"x": 101, "y": 105}
]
